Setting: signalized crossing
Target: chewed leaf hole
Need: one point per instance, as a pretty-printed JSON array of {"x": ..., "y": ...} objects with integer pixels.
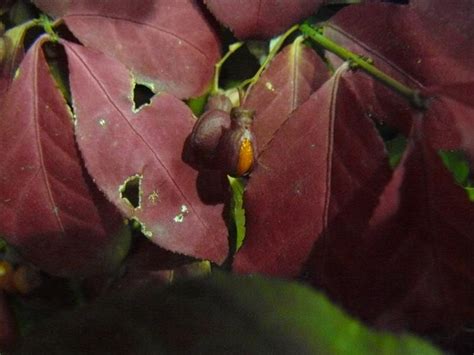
[
  {"x": 142, "y": 95},
  {"x": 139, "y": 225},
  {"x": 131, "y": 191}
]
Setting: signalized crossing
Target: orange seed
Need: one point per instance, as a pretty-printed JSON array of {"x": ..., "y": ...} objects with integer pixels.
[{"x": 245, "y": 157}]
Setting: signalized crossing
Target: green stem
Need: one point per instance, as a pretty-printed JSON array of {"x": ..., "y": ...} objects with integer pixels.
[
  {"x": 232, "y": 48},
  {"x": 357, "y": 61},
  {"x": 270, "y": 56},
  {"x": 48, "y": 27}
]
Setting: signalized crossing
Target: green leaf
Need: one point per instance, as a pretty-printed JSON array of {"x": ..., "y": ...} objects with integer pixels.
[
  {"x": 470, "y": 193},
  {"x": 396, "y": 147},
  {"x": 197, "y": 104},
  {"x": 216, "y": 315},
  {"x": 237, "y": 211},
  {"x": 457, "y": 163}
]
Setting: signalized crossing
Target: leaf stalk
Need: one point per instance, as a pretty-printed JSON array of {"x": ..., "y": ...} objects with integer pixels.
[
  {"x": 45, "y": 22},
  {"x": 218, "y": 66}
]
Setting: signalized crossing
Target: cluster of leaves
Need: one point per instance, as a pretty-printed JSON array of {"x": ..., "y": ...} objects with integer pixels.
[{"x": 387, "y": 235}]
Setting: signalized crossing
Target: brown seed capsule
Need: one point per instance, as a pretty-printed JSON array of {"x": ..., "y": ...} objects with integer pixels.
[
  {"x": 205, "y": 137},
  {"x": 219, "y": 102},
  {"x": 237, "y": 148}
]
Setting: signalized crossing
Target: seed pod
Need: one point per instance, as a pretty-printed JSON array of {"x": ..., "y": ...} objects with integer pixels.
[
  {"x": 219, "y": 102},
  {"x": 237, "y": 149},
  {"x": 205, "y": 137}
]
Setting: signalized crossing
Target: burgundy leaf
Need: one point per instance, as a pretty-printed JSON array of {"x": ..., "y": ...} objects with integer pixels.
[
  {"x": 123, "y": 148},
  {"x": 455, "y": 104},
  {"x": 167, "y": 43},
  {"x": 458, "y": 15},
  {"x": 320, "y": 176},
  {"x": 422, "y": 52},
  {"x": 263, "y": 18},
  {"x": 49, "y": 210},
  {"x": 295, "y": 73},
  {"x": 413, "y": 266},
  {"x": 414, "y": 49},
  {"x": 8, "y": 328}
]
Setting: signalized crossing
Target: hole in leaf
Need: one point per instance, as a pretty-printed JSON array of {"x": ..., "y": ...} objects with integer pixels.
[
  {"x": 140, "y": 227},
  {"x": 141, "y": 96},
  {"x": 131, "y": 191}
]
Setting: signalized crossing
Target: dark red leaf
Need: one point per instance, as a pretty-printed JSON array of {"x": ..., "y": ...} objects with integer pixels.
[
  {"x": 320, "y": 175},
  {"x": 49, "y": 210},
  {"x": 295, "y": 73},
  {"x": 413, "y": 266},
  {"x": 169, "y": 44},
  {"x": 412, "y": 47},
  {"x": 457, "y": 15},
  {"x": 8, "y": 327},
  {"x": 263, "y": 18},
  {"x": 123, "y": 148},
  {"x": 410, "y": 43},
  {"x": 455, "y": 108}
]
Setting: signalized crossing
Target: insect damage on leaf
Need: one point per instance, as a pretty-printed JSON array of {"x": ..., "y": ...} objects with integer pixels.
[
  {"x": 179, "y": 218},
  {"x": 142, "y": 96},
  {"x": 131, "y": 191},
  {"x": 102, "y": 122},
  {"x": 145, "y": 231},
  {"x": 269, "y": 86}
]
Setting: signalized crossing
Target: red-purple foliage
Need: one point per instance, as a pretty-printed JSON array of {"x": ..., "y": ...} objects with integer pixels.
[
  {"x": 395, "y": 250},
  {"x": 122, "y": 146},
  {"x": 8, "y": 327},
  {"x": 392, "y": 244},
  {"x": 49, "y": 208},
  {"x": 325, "y": 162},
  {"x": 168, "y": 44},
  {"x": 293, "y": 75},
  {"x": 261, "y": 19}
]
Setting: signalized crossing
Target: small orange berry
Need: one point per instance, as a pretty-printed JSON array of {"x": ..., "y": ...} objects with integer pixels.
[{"x": 246, "y": 157}]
